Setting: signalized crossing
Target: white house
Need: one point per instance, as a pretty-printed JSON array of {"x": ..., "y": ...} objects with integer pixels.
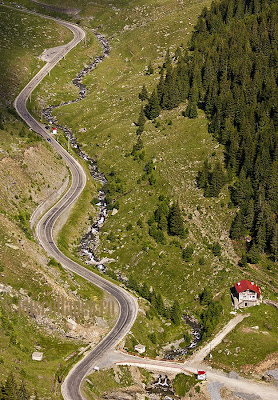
[
  {"x": 246, "y": 294},
  {"x": 37, "y": 356},
  {"x": 140, "y": 348}
]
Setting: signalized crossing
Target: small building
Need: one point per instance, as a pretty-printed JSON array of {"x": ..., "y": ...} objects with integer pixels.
[
  {"x": 37, "y": 356},
  {"x": 54, "y": 130},
  {"x": 201, "y": 376},
  {"x": 140, "y": 348},
  {"x": 246, "y": 294}
]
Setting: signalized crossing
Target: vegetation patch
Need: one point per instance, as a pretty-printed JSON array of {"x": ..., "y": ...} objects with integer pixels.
[
  {"x": 250, "y": 342},
  {"x": 19, "y": 339}
]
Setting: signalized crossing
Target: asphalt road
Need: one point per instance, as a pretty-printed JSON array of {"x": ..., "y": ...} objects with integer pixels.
[{"x": 127, "y": 303}]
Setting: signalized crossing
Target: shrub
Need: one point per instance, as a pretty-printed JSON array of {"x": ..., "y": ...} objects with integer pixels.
[
  {"x": 187, "y": 253},
  {"x": 183, "y": 383},
  {"x": 216, "y": 249}
]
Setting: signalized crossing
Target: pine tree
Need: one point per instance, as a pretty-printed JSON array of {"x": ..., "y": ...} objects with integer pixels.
[
  {"x": 160, "y": 87},
  {"x": 237, "y": 226},
  {"x": 163, "y": 223},
  {"x": 217, "y": 180},
  {"x": 274, "y": 242},
  {"x": 152, "y": 109},
  {"x": 22, "y": 392},
  {"x": 187, "y": 253},
  {"x": 138, "y": 146},
  {"x": 254, "y": 254},
  {"x": 167, "y": 62},
  {"x": 216, "y": 249},
  {"x": 261, "y": 231},
  {"x": 141, "y": 119},
  {"x": 243, "y": 261},
  {"x": 143, "y": 95},
  {"x": 162, "y": 210},
  {"x": 191, "y": 110},
  {"x": 272, "y": 187},
  {"x": 159, "y": 305},
  {"x": 145, "y": 291},
  {"x": 150, "y": 69},
  {"x": 176, "y": 313},
  {"x": 249, "y": 215},
  {"x": 10, "y": 389},
  {"x": 133, "y": 284},
  {"x": 205, "y": 296},
  {"x": 175, "y": 222},
  {"x": 203, "y": 176}
]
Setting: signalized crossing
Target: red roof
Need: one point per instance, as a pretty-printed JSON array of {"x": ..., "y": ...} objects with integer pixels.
[
  {"x": 246, "y": 285},
  {"x": 201, "y": 372}
]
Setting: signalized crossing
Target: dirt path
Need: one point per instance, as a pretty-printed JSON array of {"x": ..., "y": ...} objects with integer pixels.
[{"x": 199, "y": 356}]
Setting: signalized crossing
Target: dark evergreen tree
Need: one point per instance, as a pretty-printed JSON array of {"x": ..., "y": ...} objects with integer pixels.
[
  {"x": 159, "y": 305},
  {"x": 160, "y": 87},
  {"x": 203, "y": 176},
  {"x": 10, "y": 391},
  {"x": 176, "y": 313},
  {"x": 217, "y": 180},
  {"x": 187, "y": 253},
  {"x": 191, "y": 110},
  {"x": 163, "y": 223},
  {"x": 205, "y": 296},
  {"x": 138, "y": 146},
  {"x": 145, "y": 292},
  {"x": 152, "y": 109},
  {"x": 254, "y": 255},
  {"x": 133, "y": 284},
  {"x": 232, "y": 72},
  {"x": 143, "y": 95},
  {"x": 216, "y": 249},
  {"x": 175, "y": 222},
  {"x": 274, "y": 242},
  {"x": 150, "y": 69},
  {"x": 237, "y": 227},
  {"x": 141, "y": 118},
  {"x": 22, "y": 392}
]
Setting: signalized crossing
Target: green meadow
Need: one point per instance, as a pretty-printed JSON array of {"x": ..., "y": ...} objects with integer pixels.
[
  {"x": 29, "y": 171},
  {"x": 251, "y": 342},
  {"x": 140, "y": 33}
]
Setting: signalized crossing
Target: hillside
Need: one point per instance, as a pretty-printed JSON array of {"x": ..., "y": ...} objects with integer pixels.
[
  {"x": 151, "y": 171},
  {"x": 112, "y": 106},
  {"x": 166, "y": 162},
  {"x": 33, "y": 287}
]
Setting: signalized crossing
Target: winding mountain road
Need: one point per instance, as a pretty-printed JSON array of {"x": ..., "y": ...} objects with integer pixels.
[{"x": 71, "y": 388}]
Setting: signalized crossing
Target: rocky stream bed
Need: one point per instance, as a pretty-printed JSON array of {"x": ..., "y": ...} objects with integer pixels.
[{"x": 89, "y": 242}]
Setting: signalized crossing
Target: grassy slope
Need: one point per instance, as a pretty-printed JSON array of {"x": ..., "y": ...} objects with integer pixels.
[
  {"x": 19, "y": 339},
  {"x": 140, "y": 33},
  {"x": 20, "y": 32},
  {"x": 250, "y": 342},
  {"x": 29, "y": 172}
]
